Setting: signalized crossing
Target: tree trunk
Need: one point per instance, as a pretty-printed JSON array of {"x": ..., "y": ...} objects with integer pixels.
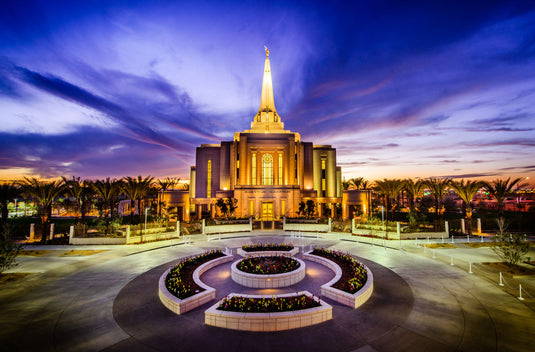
[{"x": 5, "y": 212}]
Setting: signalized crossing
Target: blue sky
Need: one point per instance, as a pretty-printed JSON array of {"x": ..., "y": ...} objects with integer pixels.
[{"x": 401, "y": 89}]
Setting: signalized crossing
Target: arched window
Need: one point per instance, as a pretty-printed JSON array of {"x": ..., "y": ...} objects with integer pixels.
[{"x": 267, "y": 169}]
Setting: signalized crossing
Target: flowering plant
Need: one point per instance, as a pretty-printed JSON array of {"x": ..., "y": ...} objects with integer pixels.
[
  {"x": 268, "y": 265},
  {"x": 354, "y": 274},
  {"x": 259, "y": 247},
  {"x": 267, "y": 304},
  {"x": 180, "y": 281}
]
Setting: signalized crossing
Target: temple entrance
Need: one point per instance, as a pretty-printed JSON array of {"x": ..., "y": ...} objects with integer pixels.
[{"x": 267, "y": 211}]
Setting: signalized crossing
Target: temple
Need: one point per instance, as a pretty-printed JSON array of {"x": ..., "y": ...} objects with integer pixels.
[{"x": 269, "y": 170}]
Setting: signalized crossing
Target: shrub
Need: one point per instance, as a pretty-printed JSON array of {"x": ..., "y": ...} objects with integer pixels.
[
  {"x": 9, "y": 250},
  {"x": 267, "y": 304},
  {"x": 268, "y": 265},
  {"x": 354, "y": 274},
  {"x": 260, "y": 247}
]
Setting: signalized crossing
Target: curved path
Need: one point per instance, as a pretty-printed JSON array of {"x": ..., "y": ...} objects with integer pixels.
[{"x": 419, "y": 305}]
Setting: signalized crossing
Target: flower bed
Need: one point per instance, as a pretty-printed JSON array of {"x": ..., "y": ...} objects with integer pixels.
[
  {"x": 267, "y": 304},
  {"x": 268, "y": 265},
  {"x": 268, "y": 313},
  {"x": 179, "y": 281},
  {"x": 352, "y": 287},
  {"x": 202, "y": 293},
  {"x": 261, "y": 272},
  {"x": 354, "y": 274},
  {"x": 263, "y": 247}
]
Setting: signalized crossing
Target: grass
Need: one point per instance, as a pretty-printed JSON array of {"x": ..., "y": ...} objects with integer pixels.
[
  {"x": 11, "y": 277},
  {"x": 479, "y": 244},
  {"x": 82, "y": 252},
  {"x": 58, "y": 253},
  {"x": 440, "y": 245},
  {"x": 512, "y": 269}
]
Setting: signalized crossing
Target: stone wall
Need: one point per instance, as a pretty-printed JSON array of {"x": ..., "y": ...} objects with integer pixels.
[
  {"x": 289, "y": 253},
  {"x": 226, "y": 228},
  {"x": 268, "y": 321}
]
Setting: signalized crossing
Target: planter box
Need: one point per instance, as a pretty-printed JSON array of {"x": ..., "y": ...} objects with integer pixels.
[
  {"x": 181, "y": 306},
  {"x": 268, "y": 321},
  {"x": 289, "y": 253},
  {"x": 268, "y": 281},
  {"x": 153, "y": 237},
  {"x": 227, "y": 228},
  {"x": 307, "y": 227},
  {"x": 353, "y": 300}
]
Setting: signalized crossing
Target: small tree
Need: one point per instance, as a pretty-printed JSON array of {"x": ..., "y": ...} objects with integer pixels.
[
  {"x": 222, "y": 205},
  {"x": 509, "y": 247},
  {"x": 310, "y": 208},
  {"x": 302, "y": 208},
  {"x": 9, "y": 250},
  {"x": 232, "y": 205}
]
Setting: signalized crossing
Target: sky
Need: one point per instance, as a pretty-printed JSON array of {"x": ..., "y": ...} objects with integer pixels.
[{"x": 401, "y": 89}]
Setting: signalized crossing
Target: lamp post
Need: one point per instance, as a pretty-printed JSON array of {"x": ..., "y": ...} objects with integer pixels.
[{"x": 146, "y": 213}]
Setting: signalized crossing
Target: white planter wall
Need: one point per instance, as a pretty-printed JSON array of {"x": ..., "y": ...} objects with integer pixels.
[
  {"x": 307, "y": 227},
  {"x": 228, "y": 228},
  {"x": 267, "y": 321},
  {"x": 354, "y": 300},
  {"x": 181, "y": 306},
  {"x": 268, "y": 281}
]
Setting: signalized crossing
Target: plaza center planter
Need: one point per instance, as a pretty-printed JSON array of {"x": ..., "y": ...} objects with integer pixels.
[
  {"x": 267, "y": 321},
  {"x": 353, "y": 300},
  {"x": 270, "y": 280},
  {"x": 181, "y": 306},
  {"x": 289, "y": 253}
]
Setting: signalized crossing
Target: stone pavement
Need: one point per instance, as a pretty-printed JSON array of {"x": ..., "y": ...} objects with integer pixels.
[{"x": 71, "y": 307}]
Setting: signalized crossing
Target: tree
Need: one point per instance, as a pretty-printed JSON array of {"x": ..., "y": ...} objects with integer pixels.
[
  {"x": 500, "y": 189},
  {"x": 82, "y": 191},
  {"x": 164, "y": 185},
  {"x": 438, "y": 188},
  {"x": 9, "y": 250},
  {"x": 466, "y": 190},
  {"x": 8, "y": 193},
  {"x": 145, "y": 187},
  {"x": 232, "y": 205},
  {"x": 389, "y": 189},
  {"x": 222, "y": 205},
  {"x": 509, "y": 247},
  {"x": 302, "y": 208},
  {"x": 107, "y": 191},
  {"x": 414, "y": 190},
  {"x": 310, "y": 208},
  {"x": 44, "y": 195},
  {"x": 130, "y": 188}
]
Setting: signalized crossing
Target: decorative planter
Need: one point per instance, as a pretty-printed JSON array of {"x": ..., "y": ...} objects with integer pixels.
[
  {"x": 268, "y": 321},
  {"x": 289, "y": 253},
  {"x": 181, "y": 306},
  {"x": 353, "y": 300},
  {"x": 268, "y": 281}
]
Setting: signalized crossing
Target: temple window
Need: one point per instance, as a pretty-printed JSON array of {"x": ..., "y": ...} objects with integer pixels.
[
  {"x": 280, "y": 168},
  {"x": 209, "y": 179},
  {"x": 253, "y": 169},
  {"x": 267, "y": 169}
]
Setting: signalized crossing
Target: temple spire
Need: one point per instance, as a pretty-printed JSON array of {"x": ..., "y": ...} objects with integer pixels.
[{"x": 267, "y": 101}]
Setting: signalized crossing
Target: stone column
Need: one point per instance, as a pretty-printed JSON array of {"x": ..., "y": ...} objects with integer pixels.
[
  {"x": 352, "y": 225},
  {"x": 199, "y": 211},
  {"x": 127, "y": 234},
  {"x": 178, "y": 228},
  {"x": 71, "y": 233},
  {"x": 447, "y": 228},
  {"x": 51, "y": 231},
  {"x": 398, "y": 229},
  {"x": 479, "y": 225},
  {"x": 203, "y": 223},
  {"x": 333, "y": 209},
  {"x": 212, "y": 211},
  {"x": 320, "y": 209},
  {"x": 463, "y": 226},
  {"x": 32, "y": 232}
]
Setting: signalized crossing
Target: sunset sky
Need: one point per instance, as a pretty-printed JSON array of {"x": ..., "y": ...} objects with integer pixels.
[{"x": 115, "y": 88}]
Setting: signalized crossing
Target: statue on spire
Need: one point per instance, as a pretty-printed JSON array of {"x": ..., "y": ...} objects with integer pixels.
[{"x": 266, "y": 50}]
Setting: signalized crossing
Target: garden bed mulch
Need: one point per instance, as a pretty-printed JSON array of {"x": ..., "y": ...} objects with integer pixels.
[{"x": 440, "y": 245}]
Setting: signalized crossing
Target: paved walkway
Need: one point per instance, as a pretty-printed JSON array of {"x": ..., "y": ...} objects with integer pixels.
[{"x": 71, "y": 307}]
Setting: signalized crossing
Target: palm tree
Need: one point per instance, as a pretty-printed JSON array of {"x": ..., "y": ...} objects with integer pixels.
[
  {"x": 131, "y": 190},
  {"x": 389, "y": 189},
  {"x": 164, "y": 185},
  {"x": 414, "y": 190},
  {"x": 500, "y": 189},
  {"x": 438, "y": 187},
  {"x": 108, "y": 191},
  {"x": 82, "y": 191},
  {"x": 44, "y": 195},
  {"x": 8, "y": 193},
  {"x": 466, "y": 190}
]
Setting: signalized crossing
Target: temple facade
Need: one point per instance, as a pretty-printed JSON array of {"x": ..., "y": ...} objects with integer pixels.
[{"x": 269, "y": 170}]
